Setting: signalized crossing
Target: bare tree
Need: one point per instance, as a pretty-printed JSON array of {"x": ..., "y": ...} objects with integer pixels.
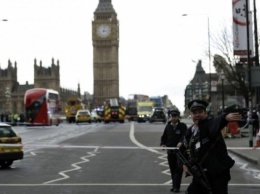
[{"x": 228, "y": 63}]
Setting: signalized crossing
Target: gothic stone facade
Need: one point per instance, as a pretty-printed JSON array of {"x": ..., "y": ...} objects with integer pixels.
[
  {"x": 12, "y": 92},
  {"x": 198, "y": 88}
]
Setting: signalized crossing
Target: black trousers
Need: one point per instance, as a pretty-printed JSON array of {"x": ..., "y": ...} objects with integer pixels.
[
  {"x": 218, "y": 184},
  {"x": 255, "y": 127},
  {"x": 176, "y": 169}
]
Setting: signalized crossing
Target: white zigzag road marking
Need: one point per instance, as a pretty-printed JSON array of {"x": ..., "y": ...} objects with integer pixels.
[
  {"x": 244, "y": 166},
  {"x": 168, "y": 183},
  {"x": 76, "y": 167},
  {"x": 254, "y": 172},
  {"x": 165, "y": 163},
  {"x": 31, "y": 154},
  {"x": 161, "y": 156}
]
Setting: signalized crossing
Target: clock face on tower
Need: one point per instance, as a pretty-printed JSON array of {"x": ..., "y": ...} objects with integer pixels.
[{"x": 103, "y": 30}]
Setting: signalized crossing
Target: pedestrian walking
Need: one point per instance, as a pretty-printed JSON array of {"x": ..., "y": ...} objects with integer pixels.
[
  {"x": 205, "y": 148},
  {"x": 172, "y": 136}
]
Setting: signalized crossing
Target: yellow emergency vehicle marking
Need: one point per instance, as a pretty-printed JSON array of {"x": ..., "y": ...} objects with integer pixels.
[
  {"x": 9, "y": 139},
  {"x": 107, "y": 113}
]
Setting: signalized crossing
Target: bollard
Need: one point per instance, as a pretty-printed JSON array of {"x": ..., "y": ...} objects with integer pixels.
[
  {"x": 257, "y": 139},
  {"x": 250, "y": 135}
]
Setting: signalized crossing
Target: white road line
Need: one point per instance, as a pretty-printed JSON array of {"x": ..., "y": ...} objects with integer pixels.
[
  {"x": 76, "y": 167},
  {"x": 132, "y": 137},
  {"x": 163, "y": 157},
  {"x": 112, "y": 184},
  {"x": 139, "y": 146},
  {"x": 84, "y": 184}
]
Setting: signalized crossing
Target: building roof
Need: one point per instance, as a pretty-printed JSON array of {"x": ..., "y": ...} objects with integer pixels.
[
  {"x": 200, "y": 75},
  {"x": 105, "y": 6},
  {"x": 199, "y": 68}
]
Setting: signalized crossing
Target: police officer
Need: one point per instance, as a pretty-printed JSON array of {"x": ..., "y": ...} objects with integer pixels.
[
  {"x": 255, "y": 123},
  {"x": 172, "y": 136},
  {"x": 204, "y": 144}
]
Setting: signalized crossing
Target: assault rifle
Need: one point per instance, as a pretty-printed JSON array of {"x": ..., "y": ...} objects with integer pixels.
[{"x": 195, "y": 170}]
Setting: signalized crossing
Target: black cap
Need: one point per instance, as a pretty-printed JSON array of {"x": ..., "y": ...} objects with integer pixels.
[
  {"x": 174, "y": 113},
  {"x": 197, "y": 104}
]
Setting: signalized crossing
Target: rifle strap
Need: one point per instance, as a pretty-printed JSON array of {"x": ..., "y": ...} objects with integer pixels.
[
  {"x": 207, "y": 153},
  {"x": 205, "y": 178}
]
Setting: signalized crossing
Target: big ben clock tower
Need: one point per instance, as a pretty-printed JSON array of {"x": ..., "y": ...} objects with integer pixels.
[{"x": 105, "y": 37}]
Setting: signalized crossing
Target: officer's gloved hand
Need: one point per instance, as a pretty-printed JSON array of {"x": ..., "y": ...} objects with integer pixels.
[
  {"x": 232, "y": 109},
  {"x": 163, "y": 146},
  {"x": 186, "y": 171}
]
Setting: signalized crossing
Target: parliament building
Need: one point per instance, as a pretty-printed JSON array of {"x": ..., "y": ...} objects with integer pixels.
[
  {"x": 12, "y": 92},
  {"x": 105, "y": 41}
]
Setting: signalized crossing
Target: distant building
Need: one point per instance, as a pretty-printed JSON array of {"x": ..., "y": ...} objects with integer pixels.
[
  {"x": 12, "y": 92},
  {"x": 198, "y": 88}
]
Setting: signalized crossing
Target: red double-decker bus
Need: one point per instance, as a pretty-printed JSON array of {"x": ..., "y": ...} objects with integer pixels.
[{"x": 42, "y": 107}]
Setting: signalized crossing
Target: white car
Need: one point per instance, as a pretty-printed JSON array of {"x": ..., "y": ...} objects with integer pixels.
[
  {"x": 11, "y": 147},
  {"x": 83, "y": 116},
  {"x": 97, "y": 115}
]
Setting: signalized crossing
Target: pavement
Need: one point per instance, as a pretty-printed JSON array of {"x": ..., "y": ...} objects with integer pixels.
[{"x": 240, "y": 146}]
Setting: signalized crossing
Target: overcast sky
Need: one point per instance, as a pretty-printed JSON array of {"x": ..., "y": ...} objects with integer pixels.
[{"x": 157, "y": 49}]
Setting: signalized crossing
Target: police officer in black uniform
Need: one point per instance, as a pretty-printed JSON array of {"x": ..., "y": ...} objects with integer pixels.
[
  {"x": 172, "y": 136},
  {"x": 204, "y": 145}
]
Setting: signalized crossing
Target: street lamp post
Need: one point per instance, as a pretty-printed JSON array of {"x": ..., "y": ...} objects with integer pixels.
[
  {"x": 222, "y": 76},
  {"x": 7, "y": 90},
  {"x": 250, "y": 127},
  {"x": 209, "y": 53},
  {"x": 209, "y": 62}
]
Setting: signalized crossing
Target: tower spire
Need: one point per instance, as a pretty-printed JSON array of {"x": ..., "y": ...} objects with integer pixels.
[{"x": 105, "y": 6}]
